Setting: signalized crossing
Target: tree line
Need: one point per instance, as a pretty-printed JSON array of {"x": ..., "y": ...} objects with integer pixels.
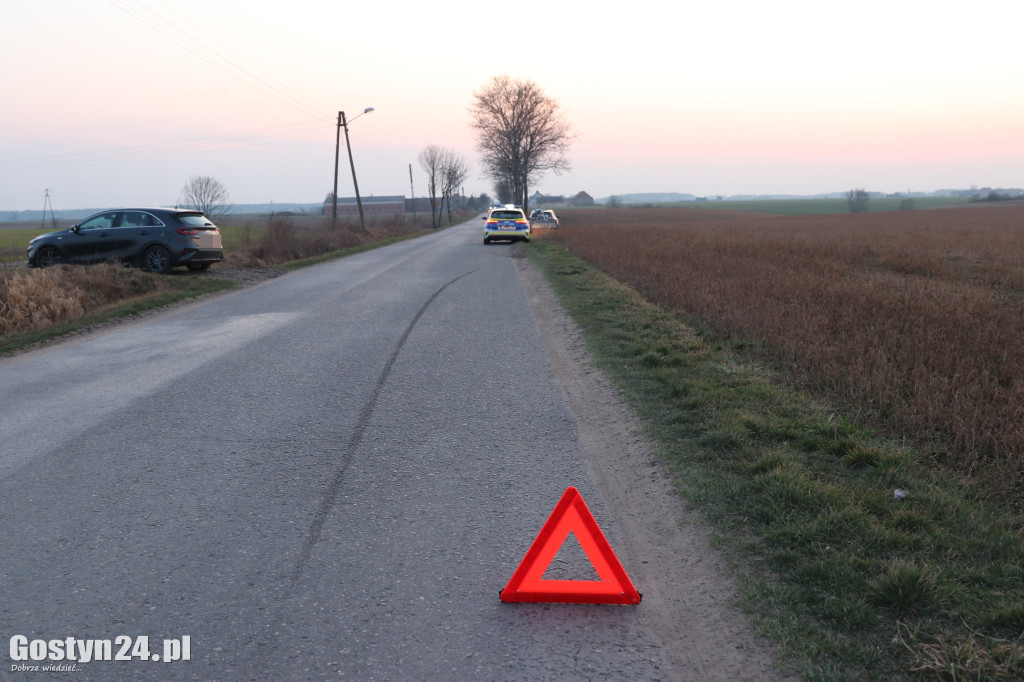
[
  {"x": 446, "y": 171},
  {"x": 521, "y": 133}
]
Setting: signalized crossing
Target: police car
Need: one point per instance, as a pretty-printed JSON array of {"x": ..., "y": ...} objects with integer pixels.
[{"x": 506, "y": 222}]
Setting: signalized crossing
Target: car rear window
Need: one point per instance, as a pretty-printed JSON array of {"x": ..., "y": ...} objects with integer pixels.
[
  {"x": 194, "y": 220},
  {"x": 507, "y": 215}
]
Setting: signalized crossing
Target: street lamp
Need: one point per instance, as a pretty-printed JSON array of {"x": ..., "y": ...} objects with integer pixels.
[{"x": 342, "y": 123}]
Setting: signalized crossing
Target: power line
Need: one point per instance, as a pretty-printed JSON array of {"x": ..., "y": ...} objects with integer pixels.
[
  {"x": 382, "y": 155},
  {"x": 209, "y": 54},
  {"x": 313, "y": 107},
  {"x": 123, "y": 154}
]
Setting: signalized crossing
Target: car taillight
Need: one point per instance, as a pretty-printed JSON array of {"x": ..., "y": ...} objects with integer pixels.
[{"x": 188, "y": 230}]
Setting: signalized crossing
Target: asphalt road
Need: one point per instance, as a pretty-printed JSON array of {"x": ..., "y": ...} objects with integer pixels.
[{"x": 329, "y": 475}]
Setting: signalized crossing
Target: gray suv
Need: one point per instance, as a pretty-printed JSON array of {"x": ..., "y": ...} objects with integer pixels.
[{"x": 155, "y": 239}]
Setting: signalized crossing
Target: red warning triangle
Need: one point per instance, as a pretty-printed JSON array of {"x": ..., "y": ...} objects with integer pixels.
[{"x": 570, "y": 515}]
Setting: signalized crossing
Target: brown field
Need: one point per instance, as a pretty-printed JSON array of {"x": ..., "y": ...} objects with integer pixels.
[{"x": 914, "y": 318}]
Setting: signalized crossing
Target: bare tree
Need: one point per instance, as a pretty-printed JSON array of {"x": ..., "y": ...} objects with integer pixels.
[
  {"x": 206, "y": 194},
  {"x": 456, "y": 170},
  {"x": 503, "y": 190},
  {"x": 432, "y": 162},
  {"x": 521, "y": 133},
  {"x": 446, "y": 171},
  {"x": 857, "y": 200}
]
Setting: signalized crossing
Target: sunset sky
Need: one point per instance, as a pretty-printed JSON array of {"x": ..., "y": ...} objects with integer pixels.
[{"x": 119, "y": 102}]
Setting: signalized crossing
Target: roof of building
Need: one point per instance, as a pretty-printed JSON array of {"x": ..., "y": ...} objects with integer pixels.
[{"x": 367, "y": 200}]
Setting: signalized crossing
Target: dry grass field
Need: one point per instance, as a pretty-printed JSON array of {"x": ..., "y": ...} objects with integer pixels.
[{"x": 914, "y": 318}]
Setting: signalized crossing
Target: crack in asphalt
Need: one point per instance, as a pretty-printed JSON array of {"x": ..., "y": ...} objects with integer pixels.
[{"x": 330, "y": 497}]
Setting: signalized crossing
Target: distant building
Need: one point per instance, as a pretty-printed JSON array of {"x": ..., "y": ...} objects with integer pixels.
[
  {"x": 397, "y": 205},
  {"x": 347, "y": 206},
  {"x": 539, "y": 200},
  {"x": 582, "y": 199},
  {"x": 418, "y": 205},
  {"x": 422, "y": 204}
]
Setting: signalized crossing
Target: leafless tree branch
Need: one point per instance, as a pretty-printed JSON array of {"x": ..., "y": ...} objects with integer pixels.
[
  {"x": 521, "y": 133},
  {"x": 206, "y": 194}
]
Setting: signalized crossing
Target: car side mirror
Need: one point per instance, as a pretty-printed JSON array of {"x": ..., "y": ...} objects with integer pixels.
[{"x": 74, "y": 228}]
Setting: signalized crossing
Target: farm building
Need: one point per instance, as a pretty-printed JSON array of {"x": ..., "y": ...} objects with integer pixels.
[
  {"x": 582, "y": 199},
  {"x": 371, "y": 205},
  {"x": 395, "y": 205},
  {"x": 539, "y": 200}
]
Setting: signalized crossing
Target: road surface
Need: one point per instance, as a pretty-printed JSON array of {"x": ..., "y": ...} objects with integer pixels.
[{"x": 332, "y": 475}]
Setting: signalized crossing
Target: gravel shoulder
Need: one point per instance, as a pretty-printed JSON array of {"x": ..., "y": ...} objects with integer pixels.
[{"x": 687, "y": 593}]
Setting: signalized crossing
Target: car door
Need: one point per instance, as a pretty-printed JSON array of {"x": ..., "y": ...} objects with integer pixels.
[
  {"x": 92, "y": 239},
  {"x": 133, "y": 230}
]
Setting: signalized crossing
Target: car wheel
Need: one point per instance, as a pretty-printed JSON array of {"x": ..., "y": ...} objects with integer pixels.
[
  {"x": 156, "y": 259},
  {"x": 198, "y": 267},
  {"x": 47, "y": 256},
  {"x": 487, "y": 240}
]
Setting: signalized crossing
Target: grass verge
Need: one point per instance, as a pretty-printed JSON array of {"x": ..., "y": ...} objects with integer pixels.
[
  {"x": 350, "y": 251},
  {"x": 172, "y": 290},
  {"x": 851, "y": 579}
]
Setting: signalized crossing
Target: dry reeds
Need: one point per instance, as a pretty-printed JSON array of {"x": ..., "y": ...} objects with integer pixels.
[
  {"x": 918, "y": 316},
  {"x": 283, "y": 238},
  {"x": 34, "y": 299}
]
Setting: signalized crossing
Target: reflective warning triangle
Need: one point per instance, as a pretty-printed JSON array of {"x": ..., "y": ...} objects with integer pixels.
[{"x": 570, "y": 515}]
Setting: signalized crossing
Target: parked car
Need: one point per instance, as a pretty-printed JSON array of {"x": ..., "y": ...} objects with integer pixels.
[
  {"x": 155, "y": 239},
  {"x": 545, "y": 219},
  {"x": 506, "y": 223}
]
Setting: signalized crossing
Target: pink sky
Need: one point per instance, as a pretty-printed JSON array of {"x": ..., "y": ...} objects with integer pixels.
[{"x": 120, "y": 102}]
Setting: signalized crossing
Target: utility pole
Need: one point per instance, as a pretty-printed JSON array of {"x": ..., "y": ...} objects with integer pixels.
[
  {"x": 337, "y": 149},
  {"x": 352, "y": 165},
  {"x": 343, "y": 123},
  {"x": 53, "y": 217},
  {"x": 412, "y": 191}
]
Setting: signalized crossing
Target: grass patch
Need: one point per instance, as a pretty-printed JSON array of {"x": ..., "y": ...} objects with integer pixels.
[
  {"x": 134, "y": 292},
  {"x": 852, "y": 582},
  {"x": 14, "y": 242}
]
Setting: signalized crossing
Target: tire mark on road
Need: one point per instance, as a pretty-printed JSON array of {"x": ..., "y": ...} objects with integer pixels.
[{"x": 330, "y": 497}]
